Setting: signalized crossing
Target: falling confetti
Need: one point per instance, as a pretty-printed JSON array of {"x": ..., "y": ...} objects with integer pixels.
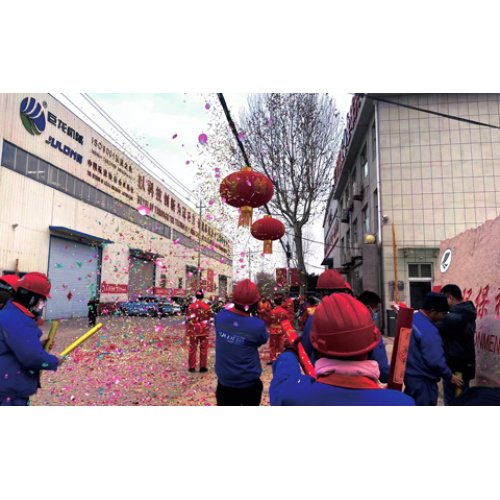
[
  {"x": 144, "y": 210},
  {"x": 203, "y": 139}
]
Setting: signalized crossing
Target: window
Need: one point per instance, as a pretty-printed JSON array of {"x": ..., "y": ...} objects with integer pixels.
[
  {"x": 355, "y": 234},
  {"x": 375, "y": 211},
  {"x": 420, "y": 271},
  {"x": 366, "y": 220},
  {"x": 364, "y": 162},
  {"x": 374, "y": 142},
  {"x": 32, "y": 166},
  {"x": 9, "y": 156},
  {"x": 21, "y": 161}
]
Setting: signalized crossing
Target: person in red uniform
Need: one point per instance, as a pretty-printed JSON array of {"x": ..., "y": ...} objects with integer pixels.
[
  {"x": 312, "y": 304},
  {"x": 276, "y": 333},
  {"x": 289, "y": 306},
  {"x": 264, "y": 310},
  {"x": 197, "y": 330}
]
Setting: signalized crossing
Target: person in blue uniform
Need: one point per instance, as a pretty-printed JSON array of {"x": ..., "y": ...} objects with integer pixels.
[
  {"x": 426, "y": 363},
  {"x": 342, "y": 334},
  {"x": 21, "y": 352},
  {"x": 238, "y": 337}
]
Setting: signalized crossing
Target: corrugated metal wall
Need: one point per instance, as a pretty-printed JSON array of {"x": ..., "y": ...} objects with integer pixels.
[{"x": 141, "y": 277}]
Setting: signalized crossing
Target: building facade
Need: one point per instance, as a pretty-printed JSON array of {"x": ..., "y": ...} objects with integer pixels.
[
  {"x": 427, "y": 176},
  {"x": 99, "y": 225}
]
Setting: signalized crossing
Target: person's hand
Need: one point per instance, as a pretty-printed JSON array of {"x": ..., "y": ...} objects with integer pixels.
[
  {"x": 60, "y": 359},
  {"x": 294, "y": 348},
  {"x": 456, "y": 381}
]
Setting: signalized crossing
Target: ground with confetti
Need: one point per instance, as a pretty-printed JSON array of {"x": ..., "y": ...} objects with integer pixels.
[{"x": 131, "y": 361}]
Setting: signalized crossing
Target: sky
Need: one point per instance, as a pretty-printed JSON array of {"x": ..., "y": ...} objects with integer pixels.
[{"x": 167, "y": 128}]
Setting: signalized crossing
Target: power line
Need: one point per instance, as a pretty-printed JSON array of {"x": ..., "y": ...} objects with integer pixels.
[
  {"x": 109, "y": 138},
  {"x": 135, "y": 143},
  {"x": 428, "y": 111}
]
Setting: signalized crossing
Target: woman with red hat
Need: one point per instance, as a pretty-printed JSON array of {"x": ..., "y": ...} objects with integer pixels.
[
  {"x": 21, "y": 353},
  {"x": 238, "y": 338},
  {"x": 343, "y": 335}
]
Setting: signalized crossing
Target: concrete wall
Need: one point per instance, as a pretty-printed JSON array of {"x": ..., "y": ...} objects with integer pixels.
[{"x": 475, "y": 268}]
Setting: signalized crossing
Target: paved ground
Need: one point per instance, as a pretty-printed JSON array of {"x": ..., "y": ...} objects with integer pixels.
[{"x": 134, "y": 361}]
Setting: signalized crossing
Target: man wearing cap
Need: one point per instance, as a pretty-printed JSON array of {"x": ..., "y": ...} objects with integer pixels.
[
  {"x": 426, "y": 363},
  {"x": 21, "y": 353},
  {"x": 238, "y": 338},
  {"x": 343, "y": 335},
  {"x": 197, "y": 330}
]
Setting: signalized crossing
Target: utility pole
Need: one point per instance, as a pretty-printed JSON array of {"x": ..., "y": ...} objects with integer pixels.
[{"x": 199, "y": 245}]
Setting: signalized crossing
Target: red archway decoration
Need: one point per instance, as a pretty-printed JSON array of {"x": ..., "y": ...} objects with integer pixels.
[
  {"x": 268, "y": 230},
  {"x": 246, "y": 190}
]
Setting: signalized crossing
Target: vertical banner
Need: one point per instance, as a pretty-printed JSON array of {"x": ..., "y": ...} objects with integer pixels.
[
  {"x": 294, "y": 277},
  {"x": 210, "y": 280},
  {"x": 400, "y": 349},
  {"x": 281, "y": 277}
]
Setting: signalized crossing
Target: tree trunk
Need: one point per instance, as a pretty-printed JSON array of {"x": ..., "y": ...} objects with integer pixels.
[{"x": 301, "y": 266}]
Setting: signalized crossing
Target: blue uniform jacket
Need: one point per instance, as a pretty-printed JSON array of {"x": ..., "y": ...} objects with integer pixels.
[
  {"x": 21, "y": 354},
  {"x": 237, "y": 342},
  {"x": 379, "y": 354},
  {"x": 289, "y": 387},
  {"x": 425, "y": 353}
]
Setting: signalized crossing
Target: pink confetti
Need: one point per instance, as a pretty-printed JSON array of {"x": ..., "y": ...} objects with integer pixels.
[
  {"x": 207, "y": 106},
  {"x": 144, "y": 210},
  {"x": 175, "y": 136},
  {"x": 241, "y": 137},
  {"x": 203, "y": 139}
]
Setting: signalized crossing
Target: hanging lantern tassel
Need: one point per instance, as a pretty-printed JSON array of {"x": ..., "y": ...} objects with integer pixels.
[
  {"x": 246, "y": 217},
  {"x": 268, "y": 247}
]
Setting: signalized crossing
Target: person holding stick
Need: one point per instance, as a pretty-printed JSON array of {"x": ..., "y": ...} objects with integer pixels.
[
  {"x": 22, "y": 355},
  {"x": 426, "y": 363},
  {"x": 343, "y": 335}
]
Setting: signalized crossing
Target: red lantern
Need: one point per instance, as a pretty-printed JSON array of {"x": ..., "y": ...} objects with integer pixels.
[
  {"x": 246, "y": 190},
  {"x": 268, "y": 230}
]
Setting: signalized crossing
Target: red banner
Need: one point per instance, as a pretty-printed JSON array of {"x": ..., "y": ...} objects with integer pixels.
[
  {"x": 107, "y": 288},
  {"x": 210, "y": 280},
  {"x": 281, "y": 277},
  {"x": 294, "y": 277}
]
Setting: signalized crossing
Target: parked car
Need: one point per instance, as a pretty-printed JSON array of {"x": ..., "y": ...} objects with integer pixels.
[
  {"x": 168, "y": 309},
  {"x": 177, "y": 309},
  {"x": 143, "y": 306}
]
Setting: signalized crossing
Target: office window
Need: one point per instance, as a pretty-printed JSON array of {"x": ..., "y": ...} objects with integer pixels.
[
  {"x": 32, "y": 166},
  {"x": 9, "y": 156},
  {"x": 355, "y": 234},
  {"x": 420, "y": 271},
  {"x": 43, "y": 171},
  {"x": 374, "y": 142},
  {"x": 366, "y": 220},
  {"x": 21, "y": 161},
  {"x": 375, "y": 211},
  {"x": 364, "y": 161}
]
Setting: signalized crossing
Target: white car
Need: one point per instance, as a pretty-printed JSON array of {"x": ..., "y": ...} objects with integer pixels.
[{"x": 177, "y": 308}]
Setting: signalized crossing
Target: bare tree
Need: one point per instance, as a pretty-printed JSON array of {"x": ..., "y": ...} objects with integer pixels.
[{"x": 294, "y": 140}]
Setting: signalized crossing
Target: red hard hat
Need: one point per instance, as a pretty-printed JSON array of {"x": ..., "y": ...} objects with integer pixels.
[
  {"x": 10, "y": 279},
  {"x": 246, "y": 294},
  {"x": 330, "y": 280},
  {"x": 342, "y": 327},
  {"x": 35, "y": 282}
]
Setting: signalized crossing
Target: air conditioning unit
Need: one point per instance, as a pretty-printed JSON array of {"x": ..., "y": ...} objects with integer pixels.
[{"x": 357, "y": 191}]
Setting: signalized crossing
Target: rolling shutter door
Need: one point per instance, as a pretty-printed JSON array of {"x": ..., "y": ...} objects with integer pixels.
[
  {"x": 73, "y": 269},
  {"x": 141, "y": 277}
]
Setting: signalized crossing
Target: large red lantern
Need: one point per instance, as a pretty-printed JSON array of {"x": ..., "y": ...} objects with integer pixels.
[
  {"x": 246, "y": 190},
  {"x": 268, "y": 230}
]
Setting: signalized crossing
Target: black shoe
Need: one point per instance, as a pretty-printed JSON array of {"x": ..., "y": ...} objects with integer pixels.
[
  {"x": 203, "y": 370},
  {"x": 191, "y": 370}
]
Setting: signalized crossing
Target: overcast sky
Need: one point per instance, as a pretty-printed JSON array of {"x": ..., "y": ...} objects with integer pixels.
[{"x": 167, "y": 127}]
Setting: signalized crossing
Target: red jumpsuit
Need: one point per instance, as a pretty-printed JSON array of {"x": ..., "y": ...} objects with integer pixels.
[
  {"x": 197, "y": 329},
  {"x": 276, "y": 333},
  {"x": 264, "y": 311},
  {"x": 289, "y": 307},
  {"x": 307, "y": 314}
]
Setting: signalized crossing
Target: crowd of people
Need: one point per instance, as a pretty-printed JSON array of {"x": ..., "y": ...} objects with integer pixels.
[{"x": 337, "y": 333}]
